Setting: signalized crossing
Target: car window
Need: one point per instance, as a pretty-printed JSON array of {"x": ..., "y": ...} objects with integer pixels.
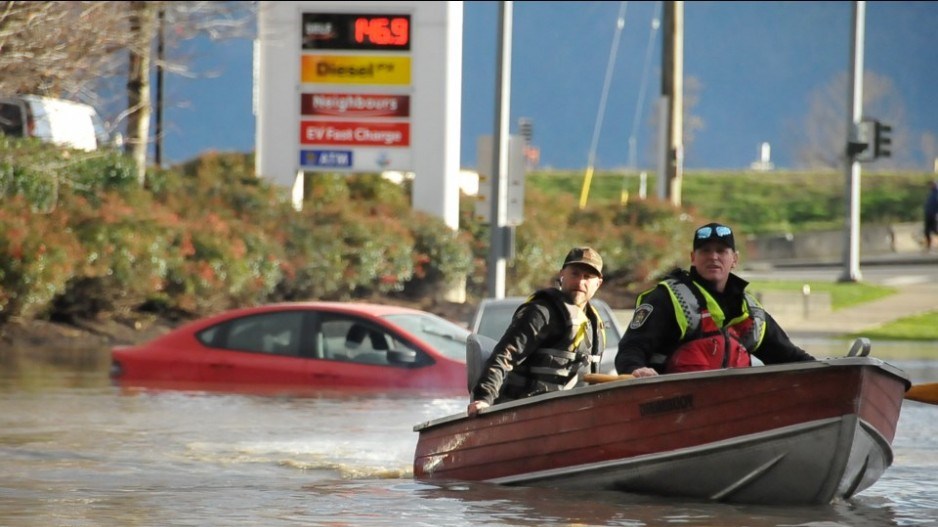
[
  {"x": 442, "y": 335},
  {"x": 11, "y": 119},
  {"x": 495, "y": 319},
  {"x": 273, "y": 333},
  {"x": 352, "y": 339}
]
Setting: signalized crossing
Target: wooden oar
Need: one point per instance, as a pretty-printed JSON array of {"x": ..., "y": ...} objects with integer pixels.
[
  {"x": 923, "y": 393},
  {"x": 595, "y": 378}
]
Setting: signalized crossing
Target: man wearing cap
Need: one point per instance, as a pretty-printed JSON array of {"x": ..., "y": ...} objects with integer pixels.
[
  {"x": 552, "y": 336},
  {"x": 703, "y": 319}
]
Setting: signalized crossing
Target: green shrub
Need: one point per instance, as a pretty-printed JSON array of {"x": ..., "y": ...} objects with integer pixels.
[
  {"x": 38, "y": 255},
  {"x": 79, "y": 237}
]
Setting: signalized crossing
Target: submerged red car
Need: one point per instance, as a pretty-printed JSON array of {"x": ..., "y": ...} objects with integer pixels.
[{"x": 306, "y": 345}]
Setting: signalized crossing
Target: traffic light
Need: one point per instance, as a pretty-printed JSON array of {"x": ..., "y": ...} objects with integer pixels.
[{"x": 882, "y": 142}]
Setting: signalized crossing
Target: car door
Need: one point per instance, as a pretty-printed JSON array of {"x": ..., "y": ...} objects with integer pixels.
[
  {"x": 265, "y": 348},
  {"x": 356, "y": 351}
]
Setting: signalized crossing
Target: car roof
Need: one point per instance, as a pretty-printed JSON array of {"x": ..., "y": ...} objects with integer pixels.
[
  {"x": 360, "y": 308},
  {"x": 347, "y": 307}
]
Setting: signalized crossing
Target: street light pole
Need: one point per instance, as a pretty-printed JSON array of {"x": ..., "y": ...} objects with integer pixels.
[{"x": 851, "y": 271}]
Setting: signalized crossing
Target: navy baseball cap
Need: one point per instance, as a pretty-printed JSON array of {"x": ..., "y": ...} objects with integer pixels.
[{"x": 714, "y": 231}]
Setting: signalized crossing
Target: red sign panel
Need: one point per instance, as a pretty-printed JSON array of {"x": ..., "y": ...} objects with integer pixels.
[
  {"x": 354, "y": 133},
  {"x": 355, "y": 105}
]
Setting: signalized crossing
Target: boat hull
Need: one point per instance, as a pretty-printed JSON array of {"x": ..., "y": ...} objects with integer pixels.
[{"x": 804, "y": 433}]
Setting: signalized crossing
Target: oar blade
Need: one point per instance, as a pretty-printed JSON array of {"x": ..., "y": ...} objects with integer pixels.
[{"x": 923, "y": 393}]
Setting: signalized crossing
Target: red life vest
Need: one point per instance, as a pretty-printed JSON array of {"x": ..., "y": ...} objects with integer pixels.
[
  {"x": 709, "y": 344},
  {"x": 714, "y": 349}
]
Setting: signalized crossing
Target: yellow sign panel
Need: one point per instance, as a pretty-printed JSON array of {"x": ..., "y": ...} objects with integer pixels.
[{"x": 342, "y": 69}]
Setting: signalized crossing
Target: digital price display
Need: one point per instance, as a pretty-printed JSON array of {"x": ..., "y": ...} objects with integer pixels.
[{"x": 345, "y": 31}]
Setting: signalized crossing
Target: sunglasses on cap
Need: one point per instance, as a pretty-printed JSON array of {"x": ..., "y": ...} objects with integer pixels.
[{"x": 705, "y": 232}]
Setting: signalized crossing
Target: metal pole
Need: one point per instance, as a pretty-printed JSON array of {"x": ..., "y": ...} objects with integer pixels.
[
  {"x": 851, "y": 271},
  {"x": 158, "y": 148},
  {"x": 498, "y": 220},
  {"x": 673, "y": 89}
]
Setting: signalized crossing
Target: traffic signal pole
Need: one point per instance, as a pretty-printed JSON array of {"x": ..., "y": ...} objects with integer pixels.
[{"x": 851, "y": 260}]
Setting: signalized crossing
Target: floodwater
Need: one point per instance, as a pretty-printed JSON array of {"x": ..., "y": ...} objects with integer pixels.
[{"x": 77, "y": 451}]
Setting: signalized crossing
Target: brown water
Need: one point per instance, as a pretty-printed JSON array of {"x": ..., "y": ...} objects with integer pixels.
[{"x": 77, "y": 451}]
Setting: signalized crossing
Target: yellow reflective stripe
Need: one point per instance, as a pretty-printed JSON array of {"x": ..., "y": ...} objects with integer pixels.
[
  {"x": 580, "y": 322},
  {"x": 678, "y": 312}
]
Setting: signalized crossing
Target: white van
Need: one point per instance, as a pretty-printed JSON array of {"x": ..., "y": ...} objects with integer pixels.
[{"x": 58, "y": 121}]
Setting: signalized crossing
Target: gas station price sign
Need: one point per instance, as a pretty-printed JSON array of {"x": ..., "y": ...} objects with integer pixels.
[{"x": 343, "y": 31}]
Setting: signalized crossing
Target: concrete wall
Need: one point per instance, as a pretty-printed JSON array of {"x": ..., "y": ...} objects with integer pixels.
[{"x": 828, "y": 246}]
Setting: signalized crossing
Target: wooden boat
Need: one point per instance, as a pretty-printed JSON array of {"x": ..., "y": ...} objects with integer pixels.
[{"x": 802, "y": 433}]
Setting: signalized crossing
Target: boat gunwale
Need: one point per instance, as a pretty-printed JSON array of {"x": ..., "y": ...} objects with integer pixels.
[{"x": 835, "y": 362}]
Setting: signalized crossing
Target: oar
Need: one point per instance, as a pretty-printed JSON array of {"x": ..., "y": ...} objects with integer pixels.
[
  {"x": 923, "y": 393},
  {"x": 594, "y": 378}
]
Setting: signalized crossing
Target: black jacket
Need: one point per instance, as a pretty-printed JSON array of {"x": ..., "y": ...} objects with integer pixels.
[
  {"x": 539, "y": 332},
  {"x": 654, "y": 329}
]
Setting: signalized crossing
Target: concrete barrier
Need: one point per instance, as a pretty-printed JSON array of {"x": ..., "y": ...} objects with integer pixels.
[{"x": 828, "y": 246}]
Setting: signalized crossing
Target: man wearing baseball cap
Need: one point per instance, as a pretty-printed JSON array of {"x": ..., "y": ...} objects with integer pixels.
[
  {"x": 703, "y": 318},
  {"x": 553, "y": 336}
]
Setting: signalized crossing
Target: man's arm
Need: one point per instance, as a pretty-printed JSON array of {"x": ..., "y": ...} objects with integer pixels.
[
  {"x": 653, "y": 329},
  {"x": 777, "y": 348},
  {"x": 525, "y": 333}
]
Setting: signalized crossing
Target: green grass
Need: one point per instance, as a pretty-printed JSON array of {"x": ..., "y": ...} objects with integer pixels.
[
  {"x": 843, "y": 294},
  {"x": 922, "y": 327},
  {"x": 917, "y": 327}
]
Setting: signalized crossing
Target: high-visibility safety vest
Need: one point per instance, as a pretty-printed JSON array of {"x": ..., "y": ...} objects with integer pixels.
[{"x": 708, "y": 340}]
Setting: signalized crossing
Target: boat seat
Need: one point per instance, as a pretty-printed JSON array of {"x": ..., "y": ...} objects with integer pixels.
[{"x": 478, "y": 350}]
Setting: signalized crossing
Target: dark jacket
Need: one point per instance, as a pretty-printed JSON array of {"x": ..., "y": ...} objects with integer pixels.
[
  {"x": 654, "y": 333},
  {"x": 534, "y": 355},
  {"x": 931, "y": 202}
]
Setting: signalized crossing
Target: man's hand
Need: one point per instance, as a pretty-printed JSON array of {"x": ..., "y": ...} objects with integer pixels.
[
  {"x": 475, "y": 406},
  {"x": 644, "y": 372}
]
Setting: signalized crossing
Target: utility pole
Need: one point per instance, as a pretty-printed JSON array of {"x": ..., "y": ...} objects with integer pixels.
[
  {"x": 672, "y": 91},
  {"x": 158, "y": 148},
  {"x": 498, "y": 220},
  {"x": 851, "y": 272}
]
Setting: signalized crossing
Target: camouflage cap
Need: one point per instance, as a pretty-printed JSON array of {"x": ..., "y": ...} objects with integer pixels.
[{"x": 586, "y": 256}]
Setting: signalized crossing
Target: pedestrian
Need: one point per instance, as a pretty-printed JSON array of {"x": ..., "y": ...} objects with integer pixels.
[
  {"x": 931, "y": 214},
  {"x": 702, "y": 318},
  {"x": 553, "y": 336}
]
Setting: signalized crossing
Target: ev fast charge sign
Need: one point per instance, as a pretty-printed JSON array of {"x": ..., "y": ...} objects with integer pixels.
[{"x": 342, "y": 127}]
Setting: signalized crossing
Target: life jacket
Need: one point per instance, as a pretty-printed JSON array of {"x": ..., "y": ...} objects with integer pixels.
[
  {"x": 708, "y": 340},
  {"x": 557, "y": 366}
]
